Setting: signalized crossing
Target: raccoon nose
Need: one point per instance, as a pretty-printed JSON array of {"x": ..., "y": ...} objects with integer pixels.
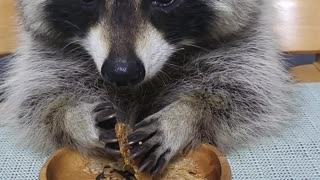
[{"x": 123, "y": 72}]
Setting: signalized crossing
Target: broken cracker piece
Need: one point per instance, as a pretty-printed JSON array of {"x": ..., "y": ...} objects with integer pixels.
[{"x": 122, "y": 135}]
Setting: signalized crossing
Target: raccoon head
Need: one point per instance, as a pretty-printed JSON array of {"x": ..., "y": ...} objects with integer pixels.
[{"x": 131, "y": 40}]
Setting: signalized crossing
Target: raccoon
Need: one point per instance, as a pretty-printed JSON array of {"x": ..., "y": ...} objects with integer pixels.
[{"x": 179, "y": 72}]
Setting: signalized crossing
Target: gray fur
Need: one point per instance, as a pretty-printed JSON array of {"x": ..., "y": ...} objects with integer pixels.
[{"x": 228, "y": 95}]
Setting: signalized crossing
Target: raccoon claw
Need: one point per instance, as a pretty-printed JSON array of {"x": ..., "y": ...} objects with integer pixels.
[
  {"x": 148, "y": 146},
  {"x": 139, "y": 136},
  {"x": 108, "y": 137},
  {"x": 161, "y": 164},
  {"x": 135, "y": 153},
  {"x": 146, "y": 122},
  {"x": 105, "y": 116},
  {"x": 112, "y": 149},
  {"x": 154, "y": 160}
]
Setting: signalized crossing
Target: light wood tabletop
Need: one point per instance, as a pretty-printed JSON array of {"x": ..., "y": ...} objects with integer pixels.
[
  {"x": 298, "y": 24},
  {"x": 7, "y": 27}
]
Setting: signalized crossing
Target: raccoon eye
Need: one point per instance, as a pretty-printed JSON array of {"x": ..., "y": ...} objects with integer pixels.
[
  {"x": 162, "y": 3},
  {"x": 88, "y": 2}
]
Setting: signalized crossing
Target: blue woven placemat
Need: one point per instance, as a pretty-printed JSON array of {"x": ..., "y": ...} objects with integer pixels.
[
  {"x": 293, "y": 155},
  {"x": 17, "y": 163}
]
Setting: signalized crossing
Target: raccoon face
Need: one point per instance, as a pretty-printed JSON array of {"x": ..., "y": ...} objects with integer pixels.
[{"x": 131, "y": 40}]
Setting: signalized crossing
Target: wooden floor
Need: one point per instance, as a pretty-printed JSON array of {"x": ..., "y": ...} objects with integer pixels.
[{"x": 307, "y": 73}]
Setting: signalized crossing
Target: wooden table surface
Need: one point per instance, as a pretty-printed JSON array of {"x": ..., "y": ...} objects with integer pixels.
[
  {"x": 7, "y": 27},
  {"x": 298, "y": 24}
]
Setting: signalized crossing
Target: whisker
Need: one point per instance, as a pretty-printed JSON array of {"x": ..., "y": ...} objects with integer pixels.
[
  {"x": 71, "y": 43},
  {"x": 68, "y": 22},
  {"x": 196, "y": 46}
]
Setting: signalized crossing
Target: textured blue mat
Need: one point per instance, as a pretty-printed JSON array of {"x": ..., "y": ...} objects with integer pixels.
[{"x": 293, "y": 155}]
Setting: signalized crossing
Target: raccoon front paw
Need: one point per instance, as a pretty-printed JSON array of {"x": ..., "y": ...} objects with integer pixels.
[
  {"x": 105, "y": 117},
  {"x": 150, "y": 145}
]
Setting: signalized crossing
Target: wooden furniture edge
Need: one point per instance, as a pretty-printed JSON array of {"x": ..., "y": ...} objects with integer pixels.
[{"x": 317, "y": 62}]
